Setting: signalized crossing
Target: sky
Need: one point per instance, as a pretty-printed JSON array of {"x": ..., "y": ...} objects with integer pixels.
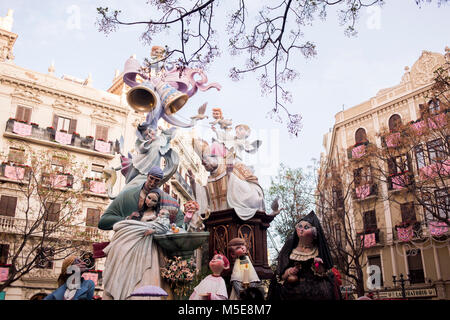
[{"x": 345, "y": 72}]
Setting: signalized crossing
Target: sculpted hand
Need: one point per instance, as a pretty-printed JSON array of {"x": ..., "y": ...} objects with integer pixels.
[
  {"x": 134, "y": 214},
  {"x": 148, "y": 232},
  {"x": 290, "y": 272},
  {"x": 318, "y": 264}
]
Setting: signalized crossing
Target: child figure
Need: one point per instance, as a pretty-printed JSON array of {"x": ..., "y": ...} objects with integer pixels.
[
  {"x": 241, "y": 143},
  {"x": 151, "y": 212},
  {"x": 213, "y": 286},
  {"x": 244, "y": 274}
]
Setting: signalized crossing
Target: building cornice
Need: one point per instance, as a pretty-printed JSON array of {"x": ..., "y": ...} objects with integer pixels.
[
  {"x": 385, "y": 107},
  {"x": 61, "y": 94}
]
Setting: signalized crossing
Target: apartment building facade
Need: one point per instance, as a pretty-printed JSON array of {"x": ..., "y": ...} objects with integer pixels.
[
  {"x": 397, "y": 232},
  {"x": 67, "y": 117}
]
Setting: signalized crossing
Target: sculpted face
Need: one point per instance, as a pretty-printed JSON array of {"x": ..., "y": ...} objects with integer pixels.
[
  {"x": 217, "y": 114},
  {"x": 240, "y": 250},
  {"x": 151, "y": 200},
  {"x": 152, "y": 182},
  {"x": 305, "y": 230},
  {"x": 217, "y": 264},
  {"x": 242, "y": 132}
]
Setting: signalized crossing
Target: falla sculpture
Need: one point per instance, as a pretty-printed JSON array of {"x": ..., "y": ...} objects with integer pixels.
[{"x": 141, "y": 212}]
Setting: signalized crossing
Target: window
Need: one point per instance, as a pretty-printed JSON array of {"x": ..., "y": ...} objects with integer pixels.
[
  {"x": 415, "y": 267},
  {"x": 370, "y": 221},
  {"x": 16, "y": 155},
  {"x": 434, "y": 106},
  {"x": 64, "y": 123},
  {"x": 408, "y": 212},
  {"x": 362, "y": 176},
  {"x": 376, "y": 261},
  {"x": 337, "y": 229},
  {"x": 8, "y": 206},
  {"x": 44, "y": 258},
  {"x": 4, "y": 250},
  {"x": 435, "y": 151},
  {"x": 443, "y": 202},
  {"x": 395, "y": 121},
  {"x": 52, "y": 211},
  {"x": 92, "y": 217},
  {"x": 101, "y": 133},
  {"x": 420, "y": 157},
  {"x": 338, "y": 199},
  {"x": 23, "y": 114},
  {"x": 398, "y": 165},
  {"x": 360, "y": 136},
  {"x": 97, "y": 171}
]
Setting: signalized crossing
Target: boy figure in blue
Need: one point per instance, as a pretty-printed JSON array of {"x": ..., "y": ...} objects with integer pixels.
[{"x": 65, "y": 292}]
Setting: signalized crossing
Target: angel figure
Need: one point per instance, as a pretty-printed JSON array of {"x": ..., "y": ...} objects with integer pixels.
[
  {"x": 241, "y": 143},
  {"x": 220, "y": 120}
]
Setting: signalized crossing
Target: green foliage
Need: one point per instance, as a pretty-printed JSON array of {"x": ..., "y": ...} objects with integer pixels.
[{"x": 294, "y": 190}]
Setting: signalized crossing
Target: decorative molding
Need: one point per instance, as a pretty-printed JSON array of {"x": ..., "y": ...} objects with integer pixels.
[
  {"x": 104, "y": 116},
  {"x": 423, "y": 68},
  {"x": 66, "y": 106},
  {"x": 52, "y": 91},
  {"x": 26, "y": 96}
]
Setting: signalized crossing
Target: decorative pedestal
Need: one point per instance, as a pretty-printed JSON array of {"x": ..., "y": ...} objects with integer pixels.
[{"x": 225, "y": 225}]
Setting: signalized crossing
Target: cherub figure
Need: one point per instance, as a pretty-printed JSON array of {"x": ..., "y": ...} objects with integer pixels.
[
  {"x": 241, "y": 143},
  {"x": 219, "y": 119},
  {"x": 213, "y": 286}
]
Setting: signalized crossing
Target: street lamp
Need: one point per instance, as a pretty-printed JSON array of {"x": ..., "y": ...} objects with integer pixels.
[{"x": 402, "y": 283}]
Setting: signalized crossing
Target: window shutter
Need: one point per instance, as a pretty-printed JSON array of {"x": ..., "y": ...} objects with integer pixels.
[
  {"x": 105, "y": 133},
  {"x": 12, "y": 203},
  {"x": 92, "y": 217},
  {"x": 52, "y": 212},
  {"x": 8, "y": 206},
  {"x": 407, "y": 211},
  {"x": 55, "y": 122},
  {"x": 27, "y": 115},
  {"x": 19, "y": 112},
  {"x": 73, "y": 125},
  {"x": 4, "y": 249}
]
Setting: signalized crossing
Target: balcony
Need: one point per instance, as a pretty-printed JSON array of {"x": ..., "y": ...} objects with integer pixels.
[
  {"x": 400, "y": 181},
  {"x": 365, "y": 192},
  {"x": 13, "y": 225},
  {"x": 407, "y": 231},
  {"x": 358, "y": 150},
  {"x": 12, "y": 172},
  {"x": 49, "y": 137},
  {"x": 391, "y": 140},
  {"x": 437, "y": 169},
  {"x": 182, "y": 186},
  {"x": 58, "y": 180},
  {"x": 95, "y": 187},
  {"x": 429, "y": 122},
  {"x": 370, "y": 238}
]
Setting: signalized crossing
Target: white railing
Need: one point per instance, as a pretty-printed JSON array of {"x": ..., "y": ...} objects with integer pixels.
[{"x": 15, "y": 225}]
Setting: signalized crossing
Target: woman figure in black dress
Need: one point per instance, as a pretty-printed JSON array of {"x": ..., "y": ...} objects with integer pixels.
[{"x": 304, "y": 265}]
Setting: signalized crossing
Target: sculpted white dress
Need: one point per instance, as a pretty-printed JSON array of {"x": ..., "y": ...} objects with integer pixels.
[{"x": 132, "y": 258}]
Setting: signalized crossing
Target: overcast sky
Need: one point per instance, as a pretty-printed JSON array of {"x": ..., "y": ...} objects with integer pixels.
[{"x": 346, "y": 71}]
